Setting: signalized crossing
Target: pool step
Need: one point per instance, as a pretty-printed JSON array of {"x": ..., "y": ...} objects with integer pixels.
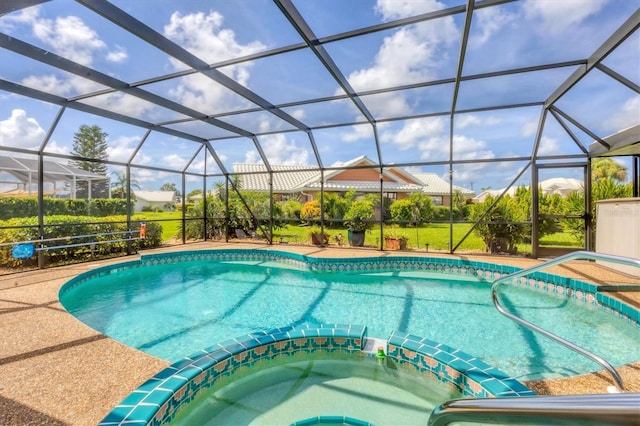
[{"x": 371, "y": 345}]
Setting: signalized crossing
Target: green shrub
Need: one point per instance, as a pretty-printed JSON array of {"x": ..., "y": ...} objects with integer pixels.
[
  {"x": 13, "y": 207},
  {"x": 359, "y": 215},
  {"x": 71, "y": 230},
  {"x": 402, "y": 210},
  {"x": 441, "y": 214},
  {"x": 290, "y": 209},
  {"x": 499, "y": 228}
]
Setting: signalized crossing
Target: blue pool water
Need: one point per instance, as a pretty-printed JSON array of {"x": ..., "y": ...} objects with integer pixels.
[{"x": 174, "y": 310}]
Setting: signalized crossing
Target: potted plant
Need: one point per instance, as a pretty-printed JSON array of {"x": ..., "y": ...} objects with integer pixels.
[
  {"x": 318, "y": 238},
  {"x": 358, "y": 219},
  {"x": 395, "y": 240}
]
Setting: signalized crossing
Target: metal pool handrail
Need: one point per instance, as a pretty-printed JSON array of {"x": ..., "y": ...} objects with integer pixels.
[
  {"x": 578, "y": 255},
  {"x": 610, "y": 409}
]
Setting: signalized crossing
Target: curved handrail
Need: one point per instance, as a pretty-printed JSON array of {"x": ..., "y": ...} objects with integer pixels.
[
  {"x": 577, "y": 255},
  {"x": 610, "y": 409}
]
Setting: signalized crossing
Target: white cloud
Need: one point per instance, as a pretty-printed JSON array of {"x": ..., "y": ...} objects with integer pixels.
[
  {"x": 279, "y": 150},
  {"x": 122, "y": 103},
  {"x": 489, "y": 21},
  {"x": 405, "y": 57},
  {"x": 203, "y": 35},
  {"x": 627, "y": 116},
  {"x": 174, "y": 161},
  {"x": 467, "y": 148},
  {"x": 121, "y": 148},
  {"x": 394, "y": 9},
  {"x": 64, "y": 87},
  {"x": 409, "y": 55},
  {"x": 119, "y": 54},
  {"x": 548, "y": 146},
  {"x": 53, "y": 148},
  {"x": 149, "y": 180},
  {"x": 557, "y": 16},
  {"x": 467, "y": 120},
  {"x": 470, "y": 172},
  {"x": 529, "y": 128},
  {"x": 421, "y": 133},
  {"x": 20, "y": 131},
  {"x": 358, "y": 132},
  {"x": 299, "y": 114},
  {"x": 68, "y": 36}
]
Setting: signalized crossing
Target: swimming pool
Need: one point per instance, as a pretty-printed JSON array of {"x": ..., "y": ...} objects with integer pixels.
[{"x": 173, "y": 305}]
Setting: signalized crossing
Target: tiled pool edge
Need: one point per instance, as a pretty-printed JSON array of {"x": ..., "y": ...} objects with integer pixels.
[
  {"x": 157, "y": 401},
  {"x": 539, "y": 281}
]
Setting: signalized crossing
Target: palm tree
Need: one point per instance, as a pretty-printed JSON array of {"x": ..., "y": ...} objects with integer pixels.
[{"x": 120, "y": 183}]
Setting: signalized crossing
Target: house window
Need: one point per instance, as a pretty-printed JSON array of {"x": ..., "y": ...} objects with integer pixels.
[
  {"x": 437, "y": 200},
  {"x": 391, "y": 196}
]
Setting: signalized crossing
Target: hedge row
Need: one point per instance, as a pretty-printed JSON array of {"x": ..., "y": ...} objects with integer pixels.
[
  {"x": 64, "y": 227},
  {"x": 28, "y": 207}
]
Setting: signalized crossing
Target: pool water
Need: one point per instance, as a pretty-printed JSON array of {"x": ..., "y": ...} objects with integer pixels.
[
  {"x": 174, "y": 310},
  {"x": 381, "y": 394}
]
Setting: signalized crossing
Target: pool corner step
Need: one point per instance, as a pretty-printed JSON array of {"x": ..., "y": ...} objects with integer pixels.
[{"x": 371, "y": 345}]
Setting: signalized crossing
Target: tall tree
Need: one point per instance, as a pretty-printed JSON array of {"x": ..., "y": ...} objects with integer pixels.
[{"x": 90, "y": 143}]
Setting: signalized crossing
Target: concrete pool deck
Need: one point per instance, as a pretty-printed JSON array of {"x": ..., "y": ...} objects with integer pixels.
[{"x": 55, "y": 370}]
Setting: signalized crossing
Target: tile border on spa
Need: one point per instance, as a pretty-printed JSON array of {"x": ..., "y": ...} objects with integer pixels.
[{"x": 158, "y": 400}]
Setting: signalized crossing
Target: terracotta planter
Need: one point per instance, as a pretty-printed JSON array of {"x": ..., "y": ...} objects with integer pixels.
[
  {"x": 395, "y": 243},
  {"x": 392, "y": 244}
]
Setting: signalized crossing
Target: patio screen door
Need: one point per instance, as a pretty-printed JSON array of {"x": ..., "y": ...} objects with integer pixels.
[{"x": 561, "y": 209}]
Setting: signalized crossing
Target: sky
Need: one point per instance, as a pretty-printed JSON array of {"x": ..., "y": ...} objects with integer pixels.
[{"x": 518, "y": 34}]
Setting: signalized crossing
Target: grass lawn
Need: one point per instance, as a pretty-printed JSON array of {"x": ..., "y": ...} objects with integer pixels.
[
  {"x": 434, "y": 234},
  {"x": 170, "y": 221}
]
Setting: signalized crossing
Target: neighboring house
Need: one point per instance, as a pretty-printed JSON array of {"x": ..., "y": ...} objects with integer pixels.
[
  {"x": 164, "y": 200},
  {"x": 360, "y": 174},
  {"x": 561, "y": 186},
  {"x": 438, "y": 188}
]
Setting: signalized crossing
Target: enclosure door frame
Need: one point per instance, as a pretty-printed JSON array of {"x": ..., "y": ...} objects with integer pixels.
[{"x": 538, "y": 250}]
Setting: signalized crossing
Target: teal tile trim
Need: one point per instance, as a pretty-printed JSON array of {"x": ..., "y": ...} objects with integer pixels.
[
  {"x": 471, "y": 376},
  {"x": 338, "y": 420},
  {"x": 158, "y": 400}
]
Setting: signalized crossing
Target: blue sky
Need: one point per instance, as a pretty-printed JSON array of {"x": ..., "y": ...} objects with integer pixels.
[{"x": 518, "y": 34}]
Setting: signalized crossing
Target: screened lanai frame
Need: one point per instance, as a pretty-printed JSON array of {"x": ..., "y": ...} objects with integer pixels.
[{"x": 238, "y": 125}]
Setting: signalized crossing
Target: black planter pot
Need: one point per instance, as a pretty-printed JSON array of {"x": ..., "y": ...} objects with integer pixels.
[{"x": 356, "y": 238}]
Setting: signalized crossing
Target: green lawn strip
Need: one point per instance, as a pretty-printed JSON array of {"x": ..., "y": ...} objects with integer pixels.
[{"x": 170, "y": 228}]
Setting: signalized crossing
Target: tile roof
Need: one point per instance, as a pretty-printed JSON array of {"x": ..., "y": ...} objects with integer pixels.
[
  {"x": 257, "y": 178},
  {"x": 435, "y": 185},
  {"x": 296, "y": 178},
  {"x": 156, "y": 196}
]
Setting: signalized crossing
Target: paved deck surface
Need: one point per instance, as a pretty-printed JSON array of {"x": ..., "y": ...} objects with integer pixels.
[{"x": 54, "y": 370}]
